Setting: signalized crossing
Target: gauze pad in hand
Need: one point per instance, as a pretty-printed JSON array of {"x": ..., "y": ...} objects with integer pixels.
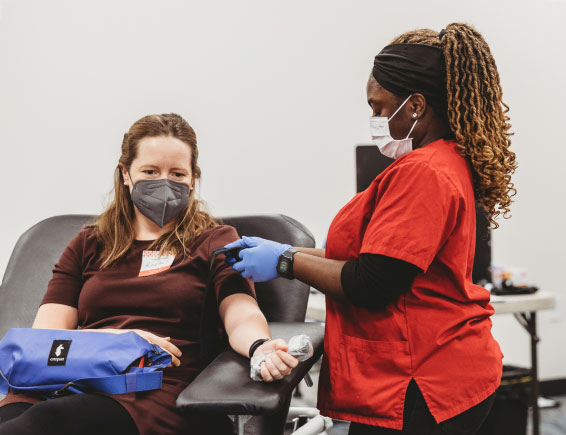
[{"x": 300, "y": 347}]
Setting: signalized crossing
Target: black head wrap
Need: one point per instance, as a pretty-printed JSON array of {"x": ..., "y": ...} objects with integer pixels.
[{"x": 405, "y": 69}]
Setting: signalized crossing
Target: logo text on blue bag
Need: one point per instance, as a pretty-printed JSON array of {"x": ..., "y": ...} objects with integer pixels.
[{"x": 59, "y": 352}]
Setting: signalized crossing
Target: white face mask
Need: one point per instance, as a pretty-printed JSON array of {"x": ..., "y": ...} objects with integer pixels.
[{"x": 389, "y": 147}]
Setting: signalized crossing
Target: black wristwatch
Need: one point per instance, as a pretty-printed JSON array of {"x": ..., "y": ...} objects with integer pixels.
[{"x": 285, "y": 263}]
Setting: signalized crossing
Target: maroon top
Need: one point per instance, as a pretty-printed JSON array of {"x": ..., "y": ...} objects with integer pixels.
[{"x": 167, "y": 304}]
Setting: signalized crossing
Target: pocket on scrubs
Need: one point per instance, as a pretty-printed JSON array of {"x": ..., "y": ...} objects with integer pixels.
[{"x": 369, "y": 376}]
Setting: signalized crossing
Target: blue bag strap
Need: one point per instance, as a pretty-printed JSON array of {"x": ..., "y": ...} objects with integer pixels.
[
  {"x": 117, "y": 384},
  {"x": 120, "y": 384},
  {"x": 3, "y": 383}
]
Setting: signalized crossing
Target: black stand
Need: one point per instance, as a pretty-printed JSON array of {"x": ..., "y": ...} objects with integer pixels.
[{"x": 529, "y": 322}]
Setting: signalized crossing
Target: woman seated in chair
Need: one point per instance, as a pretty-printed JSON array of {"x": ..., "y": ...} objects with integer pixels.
[{"x": 104, "y": 280}]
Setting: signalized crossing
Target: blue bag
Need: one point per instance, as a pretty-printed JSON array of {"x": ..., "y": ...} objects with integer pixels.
[{"x": 54, "y": 362}]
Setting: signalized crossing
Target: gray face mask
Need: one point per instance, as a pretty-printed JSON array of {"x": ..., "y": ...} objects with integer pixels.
[{"x": 160, "y": 200}]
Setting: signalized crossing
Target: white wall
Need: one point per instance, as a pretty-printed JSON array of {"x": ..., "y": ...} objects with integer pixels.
[{"x": 275, "y": 91}]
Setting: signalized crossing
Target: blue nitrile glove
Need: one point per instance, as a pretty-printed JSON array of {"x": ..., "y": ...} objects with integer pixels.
[{"x": 259, "y": 260}]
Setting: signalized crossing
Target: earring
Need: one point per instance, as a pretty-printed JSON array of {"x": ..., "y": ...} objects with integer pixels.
[
  {"x": 414, "y": 115},
  {"x": 125, "y": 183}
]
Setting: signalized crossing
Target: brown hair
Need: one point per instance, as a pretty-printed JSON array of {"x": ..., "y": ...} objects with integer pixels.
[
  {"x": 476, "y": 112},
  {"x": 114, "y": 228}
]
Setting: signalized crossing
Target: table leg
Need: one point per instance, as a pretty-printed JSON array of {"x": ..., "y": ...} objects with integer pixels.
[
  {"x": 534, "y": 369},
  {"x": 529, "y": 322}
]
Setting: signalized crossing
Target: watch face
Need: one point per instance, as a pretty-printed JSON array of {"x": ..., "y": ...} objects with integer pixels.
[{"x": 284, "y": 266}]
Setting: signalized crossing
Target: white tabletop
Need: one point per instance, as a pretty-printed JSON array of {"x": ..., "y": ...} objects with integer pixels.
[
  {"x": 523, "y": 303},
  {"x": 316, "y": 308}
]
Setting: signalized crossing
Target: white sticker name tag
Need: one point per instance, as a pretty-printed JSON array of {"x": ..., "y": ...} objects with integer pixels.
[{"x": 153, "y": 263}]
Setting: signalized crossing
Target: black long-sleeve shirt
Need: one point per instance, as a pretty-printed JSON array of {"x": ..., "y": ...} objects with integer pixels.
[{"x": 375, "y": 281}]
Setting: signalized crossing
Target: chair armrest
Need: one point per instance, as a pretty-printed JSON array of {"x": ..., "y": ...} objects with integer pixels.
[{"x": 225, "y": 386}]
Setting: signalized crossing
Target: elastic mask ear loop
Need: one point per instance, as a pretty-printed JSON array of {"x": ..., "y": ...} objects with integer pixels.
[
  {"x": 411, "y": 130},
  {"x": 131, "y": 179},
  {"x": 399, "y": 108}
]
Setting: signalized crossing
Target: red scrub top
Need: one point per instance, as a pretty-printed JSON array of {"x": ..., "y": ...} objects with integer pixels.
[{"x": 421, "y": 209}]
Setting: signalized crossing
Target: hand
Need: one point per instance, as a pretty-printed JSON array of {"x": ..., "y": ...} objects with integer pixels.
[
  {"x": 164, "y": 343},
  {"x": 259, "y": 259},
  {"x": 279, "y": 364}
]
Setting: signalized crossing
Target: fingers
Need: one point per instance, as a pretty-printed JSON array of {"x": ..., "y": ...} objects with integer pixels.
[
  {"x": 282, "y": 367},
  {"x": 164, "y": 343},
  {"x": 244, "y": 242},
  {"x": 277, "y": 366},
  {"x": 243, "y": 267},
  {"x": 175, "y": 362},
  {"x": 289, "y": 360},
  {"x": 279, "y": 363},
  {"x": 265, "y": 375},
  {"x": 237, "y": 244},
  {"x": 273, "y": 370},
  {"x": 239, "y": 267},
  {"x": 252, "y": 242},
  {"x": 168, "y": 346}
]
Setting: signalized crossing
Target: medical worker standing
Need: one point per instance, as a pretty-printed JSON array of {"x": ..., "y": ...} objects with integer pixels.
[{"x": 408, "y": 344}]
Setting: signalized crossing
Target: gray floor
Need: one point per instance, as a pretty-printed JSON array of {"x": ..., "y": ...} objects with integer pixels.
[{"x": 553, "y": 420}]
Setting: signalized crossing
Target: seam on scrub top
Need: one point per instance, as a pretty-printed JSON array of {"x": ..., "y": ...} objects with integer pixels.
[{"x": 407, "y": 330}]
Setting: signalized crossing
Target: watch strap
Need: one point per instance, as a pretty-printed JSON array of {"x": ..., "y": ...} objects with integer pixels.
[{"x": 285, "y": 263}]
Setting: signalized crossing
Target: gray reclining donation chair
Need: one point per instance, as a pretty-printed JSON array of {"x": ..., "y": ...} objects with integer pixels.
[{"x": 224, "y": 387}]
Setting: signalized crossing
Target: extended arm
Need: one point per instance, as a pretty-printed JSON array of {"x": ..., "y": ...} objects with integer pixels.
[
  {"x": 371, "y": 281},
  {"x": 313, "y": 251},
  {"x": 321, "y": 273},
  {"x": 245, "y": 323}
]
